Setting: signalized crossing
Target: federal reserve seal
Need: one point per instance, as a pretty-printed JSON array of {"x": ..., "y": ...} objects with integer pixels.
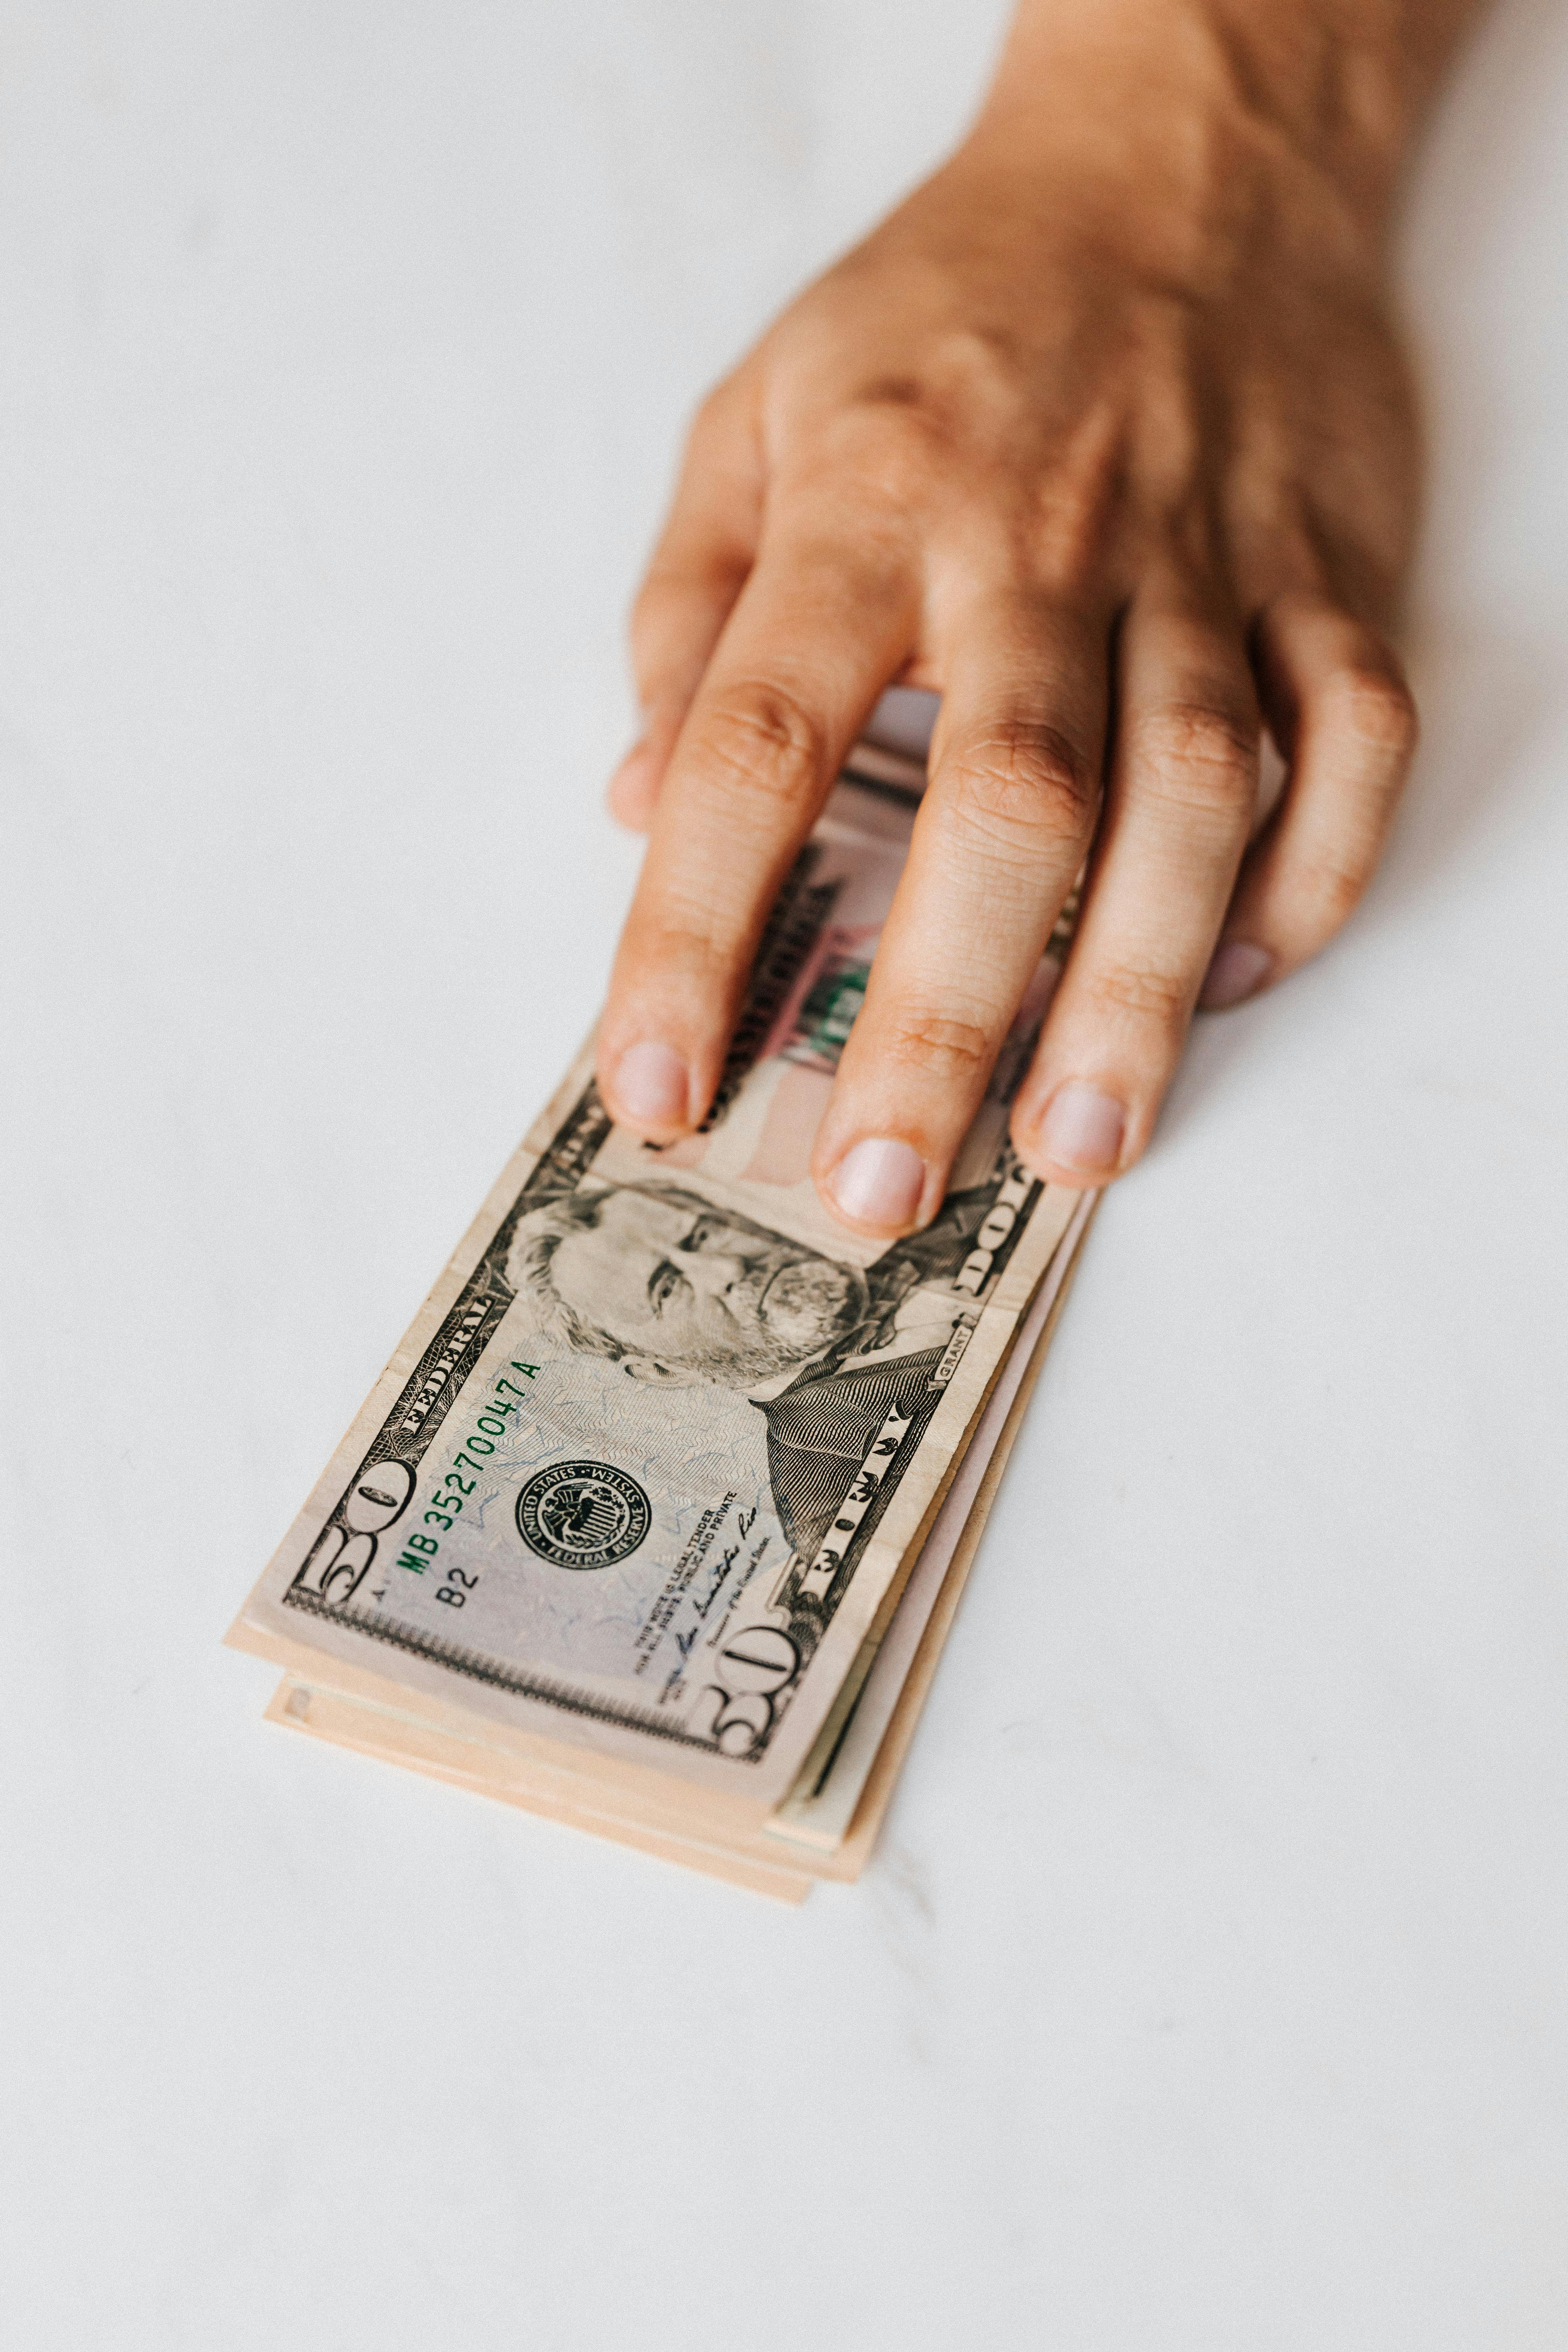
[{"x": 582, "y": 1515}]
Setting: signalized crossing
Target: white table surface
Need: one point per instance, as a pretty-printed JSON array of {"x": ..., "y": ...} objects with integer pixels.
[{"x": 1207, "y": 1990}]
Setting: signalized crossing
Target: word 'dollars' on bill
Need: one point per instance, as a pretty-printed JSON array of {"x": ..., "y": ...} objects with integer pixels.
[{"x": 626, "y": 1522}]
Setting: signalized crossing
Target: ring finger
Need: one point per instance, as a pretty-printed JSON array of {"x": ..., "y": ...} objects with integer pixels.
[{"x": 1183, "y": 785}]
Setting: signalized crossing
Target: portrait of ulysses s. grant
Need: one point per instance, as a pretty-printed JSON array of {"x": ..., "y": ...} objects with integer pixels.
[{"x": 676, "y": 1290}]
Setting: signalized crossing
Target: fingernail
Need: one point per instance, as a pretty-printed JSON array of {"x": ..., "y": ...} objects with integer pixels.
[
  {"x": 1082, "y": 1129},
  {"x": 1238, "y": 969},
  {"x": 879, "y": 1182},
  {"x": 651, "y": 1085}
]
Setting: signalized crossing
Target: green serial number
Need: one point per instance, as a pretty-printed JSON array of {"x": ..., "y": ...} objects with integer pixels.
[{"x": 453, "y": 1491}]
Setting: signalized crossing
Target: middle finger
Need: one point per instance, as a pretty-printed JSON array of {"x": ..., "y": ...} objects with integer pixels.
[{"x": 1001, "y": 835}]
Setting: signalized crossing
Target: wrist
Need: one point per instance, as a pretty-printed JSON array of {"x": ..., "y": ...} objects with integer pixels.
[{"x": 1207, "y": 113}]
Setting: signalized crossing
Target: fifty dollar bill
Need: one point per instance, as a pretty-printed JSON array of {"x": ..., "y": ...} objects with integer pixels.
[{"x": 648, "y": 1470}]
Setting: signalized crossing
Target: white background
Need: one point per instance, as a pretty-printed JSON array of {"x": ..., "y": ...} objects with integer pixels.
[{"x": 1208, "y": 1990}]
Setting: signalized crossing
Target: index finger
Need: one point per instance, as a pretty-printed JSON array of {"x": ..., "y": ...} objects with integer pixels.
[
  {"x": 694, "y": 575},
  {"x": 825, "y": 620}
]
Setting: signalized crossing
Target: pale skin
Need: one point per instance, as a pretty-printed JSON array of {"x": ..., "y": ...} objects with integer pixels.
[{"x": 1106, "y": 435}]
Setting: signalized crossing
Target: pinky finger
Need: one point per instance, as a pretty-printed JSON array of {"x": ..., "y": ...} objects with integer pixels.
[{"x": 1343, "y": 716}]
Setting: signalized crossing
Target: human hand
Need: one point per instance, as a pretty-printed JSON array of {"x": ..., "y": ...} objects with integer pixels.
[{"x": 1105, "y": 437}]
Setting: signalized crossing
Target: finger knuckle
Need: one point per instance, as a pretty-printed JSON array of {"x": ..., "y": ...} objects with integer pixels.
[
  {"x": 887, "y": 457},
  {"x": 1328, "y": 889},
  {"x": 1145, "y": 992},
  {"x": 1195, "y": 757},
  {"x": 761, "y": 739},
  {"x": 1020, "y": 788},
  {"x": 968, "y": 380},
  {"x": 683, "y": 937},
  {"x": 1373, "y": 710},
  {"x": 982, "y": 361},
  {"x": 950, "y": 1044}
]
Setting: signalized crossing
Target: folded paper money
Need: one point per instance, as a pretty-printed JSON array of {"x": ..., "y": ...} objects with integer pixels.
[{"x": 657, "y": 1520}]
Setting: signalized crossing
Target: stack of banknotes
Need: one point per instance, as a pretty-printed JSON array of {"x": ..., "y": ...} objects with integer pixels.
[{"x": 657, "y": 1521}]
